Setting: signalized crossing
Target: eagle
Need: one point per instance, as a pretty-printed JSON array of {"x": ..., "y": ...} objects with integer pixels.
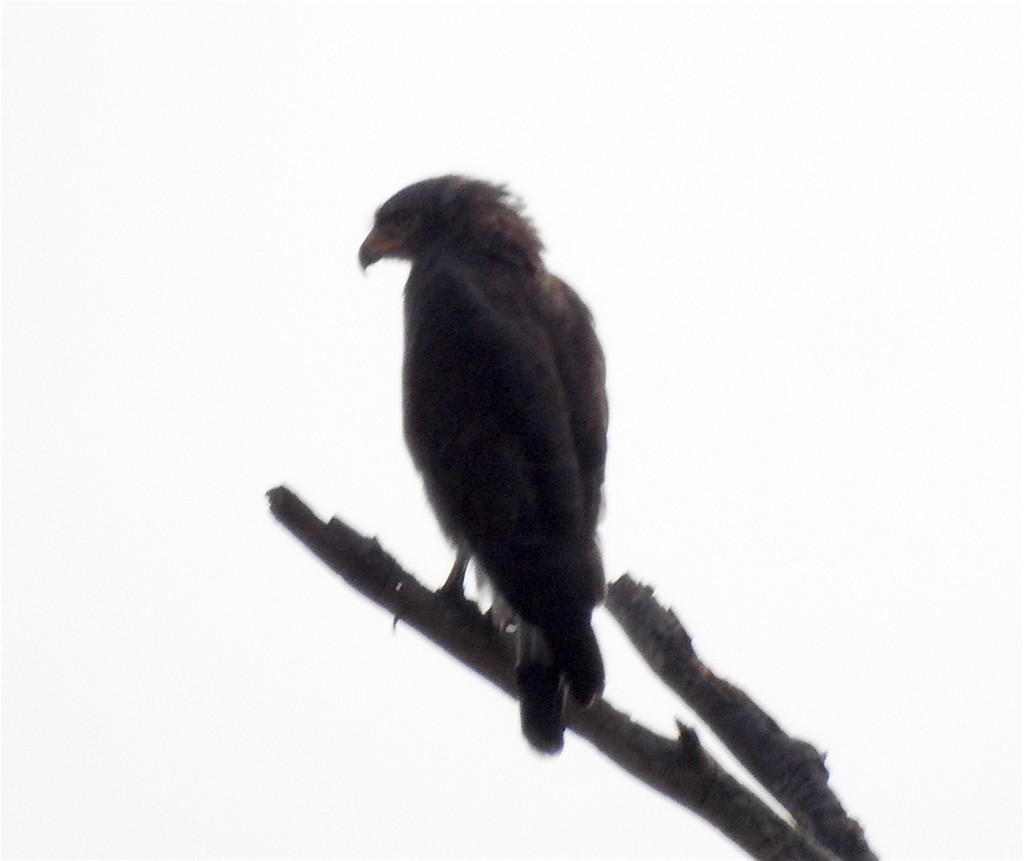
[{"x": 506, "y": 417}]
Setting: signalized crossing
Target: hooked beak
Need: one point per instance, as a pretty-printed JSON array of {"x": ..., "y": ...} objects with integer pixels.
[{"x": 376, "y": 246}]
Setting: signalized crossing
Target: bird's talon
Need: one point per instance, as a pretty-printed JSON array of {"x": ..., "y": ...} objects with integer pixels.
[{"x": 454, "y": 585}]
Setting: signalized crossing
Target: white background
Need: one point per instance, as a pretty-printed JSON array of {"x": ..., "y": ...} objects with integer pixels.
[{"x": 798, "y": 227}]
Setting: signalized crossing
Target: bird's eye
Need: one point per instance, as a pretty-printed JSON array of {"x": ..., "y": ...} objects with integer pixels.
[{"x": 403, "y": 219}]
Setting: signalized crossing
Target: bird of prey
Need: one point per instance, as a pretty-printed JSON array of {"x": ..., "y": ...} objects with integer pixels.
[{"x": 506, "y": 418}]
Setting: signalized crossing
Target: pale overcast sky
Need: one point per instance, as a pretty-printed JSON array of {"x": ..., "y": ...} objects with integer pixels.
[{"x": 799, "y": 230}]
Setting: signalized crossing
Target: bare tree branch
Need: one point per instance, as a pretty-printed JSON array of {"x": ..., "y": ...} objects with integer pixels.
[
  {"x": 679, "y": 768},
  {"x": 790, "y": 769}
]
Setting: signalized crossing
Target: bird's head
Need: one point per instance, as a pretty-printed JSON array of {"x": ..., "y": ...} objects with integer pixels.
[{"x": 449, "y": 212}]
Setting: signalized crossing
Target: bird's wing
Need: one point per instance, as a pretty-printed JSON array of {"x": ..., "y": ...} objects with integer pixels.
[
  {"x": 486, "y": 415},
  {"x": 581, "y": 369}
]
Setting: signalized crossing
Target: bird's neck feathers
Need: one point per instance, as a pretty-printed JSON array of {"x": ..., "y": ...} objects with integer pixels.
[{"x": 508, "y": 236}]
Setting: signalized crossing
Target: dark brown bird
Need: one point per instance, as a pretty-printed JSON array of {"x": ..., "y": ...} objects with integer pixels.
[{"x": 506, "y": 418}]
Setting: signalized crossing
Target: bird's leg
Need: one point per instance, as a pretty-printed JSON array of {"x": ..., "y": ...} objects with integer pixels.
[
  {"x": 502, "y": 615},
  {"x": 454, "y": 585}
]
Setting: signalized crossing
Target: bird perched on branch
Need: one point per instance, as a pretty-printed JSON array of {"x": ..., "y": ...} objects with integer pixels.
[{"x": 506, "y": 418}]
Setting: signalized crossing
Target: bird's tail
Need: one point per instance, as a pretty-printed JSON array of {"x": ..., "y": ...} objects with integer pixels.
[
  {"x": 578, "y": 656},
  {"x": 553, "y": 655},
  {"x": 541, "y": 690},
  {"x": 546, "y": 665}
]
